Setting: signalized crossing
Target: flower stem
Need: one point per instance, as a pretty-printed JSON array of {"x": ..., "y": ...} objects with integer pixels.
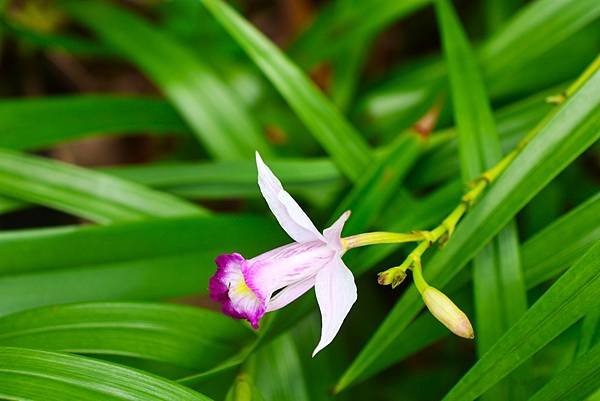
[
  {"x": 381, "y": 237},
  {"x": 445, "y": 229}
]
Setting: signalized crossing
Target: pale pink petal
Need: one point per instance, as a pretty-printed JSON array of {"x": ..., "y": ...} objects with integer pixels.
[
  {"x": 334, "y": 232},
  {"x": 287, "y": 212},
  {"x": 290, "y": 294},
  {"x": 336, "y": 293}
]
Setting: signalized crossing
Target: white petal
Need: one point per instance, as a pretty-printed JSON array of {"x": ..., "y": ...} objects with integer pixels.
[
  {"x": 336, "y": 293},
  {"x": 334, "y": 232},
  {"x": 290, "y": 294},
  {"x": 287, "y": 212}
]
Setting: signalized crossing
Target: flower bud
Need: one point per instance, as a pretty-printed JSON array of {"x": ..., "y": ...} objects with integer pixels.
[
  {"x": 395, "y": 277},
  {"x": 444, "y": 310}
]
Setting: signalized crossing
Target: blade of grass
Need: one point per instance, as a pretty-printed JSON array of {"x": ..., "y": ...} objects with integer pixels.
[
  {"x": 48, "y": 376},
  {"x": 379, "y": 182},
  {"x": 512, "y": 123},
  {"x": 542, "y": 33},
  {"x": 75, "y": 247},
  {"x": 581, "y": 226},
  {"x": 590, "y": 330},
  {"x": 344, "y": 144},
  {"x": 83, "y": 192},
  {"x": 28, "y": 124},
  {"x": 496, "y": 12},
  {"x": 344, "y": 23},
  {"x": 499, "y": 290},
  {"x": 572, "y": 296},
  {"x": 277, "y": 371},
  {"x": 243, "y": 389},
  {"x": 178, "y": 335},
  {"x": 87, "y": 115},
  {"x": 311, "y": 178},
  {"x": 576, "y": 382},
  {"x": 563, "y": 135},
  {"x": 405, "y": 215},
  {"x": 218, "y": 118},
  {"x": 536, "y": 28}
]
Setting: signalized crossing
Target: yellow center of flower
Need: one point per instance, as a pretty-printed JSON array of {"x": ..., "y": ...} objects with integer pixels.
[{"x": 241, "y": 289}]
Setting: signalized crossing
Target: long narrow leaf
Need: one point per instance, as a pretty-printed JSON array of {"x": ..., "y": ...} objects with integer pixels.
[
  {"x": 83, "y": 192},
  {"x": 216, "y": 115},
  {"x": 499, "y": 290},
  {"x": 576, "y": 382},
  {"x": 47, "y": 376},
  {"x": 178, "y": 335},
  {"x": 37, "y": 123},
  {"x": 347, "y": 148}
]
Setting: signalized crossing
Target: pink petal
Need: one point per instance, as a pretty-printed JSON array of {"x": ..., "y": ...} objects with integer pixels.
[
  {"x": 287, "y": 212},
  {"x": 336, "y": 293},
  {"x": 290, "y": 294},
  {"x": 334, "y": 232}
]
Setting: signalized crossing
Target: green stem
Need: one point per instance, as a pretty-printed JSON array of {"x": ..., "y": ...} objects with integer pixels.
[
  {"x": 444, "y": 231},
  {"x": 420, "y": 282},
  {"x": 381, "y": 237}
]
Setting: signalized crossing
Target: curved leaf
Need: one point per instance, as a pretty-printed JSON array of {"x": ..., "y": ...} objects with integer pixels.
[
  {"x": 347, "y": 148},
  {"x": 216, "y": 115},
  {"x": 576, "y": 382},
  {"x": 37, "y": 123},
  {"x": 47, "y": 376},
  {"x": 178, "y": 335},
  {"x": 83, "y": 192}
]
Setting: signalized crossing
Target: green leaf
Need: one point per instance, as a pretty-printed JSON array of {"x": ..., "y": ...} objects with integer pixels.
[
  {"x": 512, "y": 123},
  {"x": 315, "y": 180},
  {"x": 277, "y": 371},
  {"x": 342, "y": 142},
  {"x": 576, "y": 382},
  {"x": 147, "y": 260},
  {"x": 83, "y": 192},
  {"x": 217, "y": 116},
  {"x": 542, "y": 33},
  {"x": 310, "y": 178},
  {"x": 499, "y": 289},
  {"x": 178, "y": 335},
  {"x": 536, "y": 28},
  {"x": 87, "y": 246},
  {"x": 564, "y": 135},
  {"x": 572, "y": 296},
  {"x": 48, "y": 376},
  {"x": 379, "y": 182},
  {"x": 590, "y": 330},
  {"x": 38, "y": 123},
  {"x": 344, "y": 23},
  {"x": 404, "y": 215},
  {"x": 581, "y": 226},
  {"x": 496, "y": 12},
  {"x": 243, "y": 389}
]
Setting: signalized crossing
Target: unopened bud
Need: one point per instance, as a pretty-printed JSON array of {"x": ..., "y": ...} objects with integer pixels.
[
  {"x": 393, "y": 276},
  {"x": 444, "y": 310},
  {"x": 384, "y": 278}
]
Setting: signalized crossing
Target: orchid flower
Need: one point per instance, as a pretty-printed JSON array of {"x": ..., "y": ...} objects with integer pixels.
[{"x": 248, "y": 288}]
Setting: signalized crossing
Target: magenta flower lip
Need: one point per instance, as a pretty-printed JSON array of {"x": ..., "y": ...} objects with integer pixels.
[{"x": 247, "y": 289}]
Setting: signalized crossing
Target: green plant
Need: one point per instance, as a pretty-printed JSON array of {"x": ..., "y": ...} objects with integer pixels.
[{"x": 483, "y": 151}]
